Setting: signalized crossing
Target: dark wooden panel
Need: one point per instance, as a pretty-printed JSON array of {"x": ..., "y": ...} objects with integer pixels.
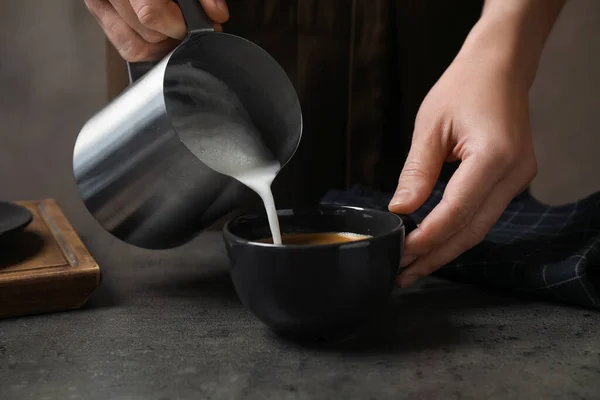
[
  {"x": 371, "y": 89},
  {"x": 251, "y": 16},
  {"x": 323, "y": 63},
  {"x": 331, "y": 18},
  {"x": 323, "y": 89},
  {"x": 429, "y": 34}
]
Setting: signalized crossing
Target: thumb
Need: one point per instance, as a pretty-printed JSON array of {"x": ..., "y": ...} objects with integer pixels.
[
  {"x": 420, "y": 172},
  {"x": 216, "y": 10}
]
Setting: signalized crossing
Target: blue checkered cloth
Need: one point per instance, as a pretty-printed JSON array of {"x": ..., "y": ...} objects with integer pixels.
[{"x": 534, "y": 249}]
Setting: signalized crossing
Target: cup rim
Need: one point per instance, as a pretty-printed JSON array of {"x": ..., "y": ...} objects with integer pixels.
[{"x": 282, "y": 212}]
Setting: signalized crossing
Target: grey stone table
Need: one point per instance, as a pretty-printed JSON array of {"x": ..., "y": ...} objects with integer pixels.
[{"x": 168, "y": 325}]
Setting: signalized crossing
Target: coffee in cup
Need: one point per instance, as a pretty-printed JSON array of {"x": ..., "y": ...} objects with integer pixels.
[{"x": 313, "y": 239}]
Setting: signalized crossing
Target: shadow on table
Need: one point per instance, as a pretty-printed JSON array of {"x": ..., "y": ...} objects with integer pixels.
[
  {"x": 415, "y": 321},
  {"x": 209, "y": 285},
  {"x": 105, "y": 296},
  {"x": 17, "y": 247}
]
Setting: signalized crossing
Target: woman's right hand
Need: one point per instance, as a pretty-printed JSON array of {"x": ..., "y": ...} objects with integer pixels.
[{"x": 145, "y": 30}]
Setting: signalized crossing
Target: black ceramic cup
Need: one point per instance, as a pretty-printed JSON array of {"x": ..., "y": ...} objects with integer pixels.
[{"x": 323, "y": 291}]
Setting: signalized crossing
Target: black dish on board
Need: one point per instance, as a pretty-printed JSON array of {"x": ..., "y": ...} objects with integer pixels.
[{"x": 13, "y": 218}]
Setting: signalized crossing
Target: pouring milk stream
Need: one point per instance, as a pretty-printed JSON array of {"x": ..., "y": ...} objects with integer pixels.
[{"x": 229, "y": 143}]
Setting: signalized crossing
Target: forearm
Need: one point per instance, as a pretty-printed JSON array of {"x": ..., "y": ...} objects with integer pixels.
[{"x": 512, "y": 33}]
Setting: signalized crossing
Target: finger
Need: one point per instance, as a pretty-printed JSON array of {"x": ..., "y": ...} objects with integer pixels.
[
  {"x": 466, "y": 191},
  {"x": 125, "y": 10},
  {"x": 128, "y": 43},
  {"x": 468, "y": 237},
  {"x": 162, "y": 16},
  {"x": 216, "y": 10},
  {"x": 165, "y": 16},
  {"x": 421, "y": 170}
]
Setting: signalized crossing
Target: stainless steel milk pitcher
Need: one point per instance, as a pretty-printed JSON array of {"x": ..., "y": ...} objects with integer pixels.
[{"x": 135, "y": 173}]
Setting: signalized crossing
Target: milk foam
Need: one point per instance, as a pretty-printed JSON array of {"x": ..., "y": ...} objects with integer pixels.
[{"x": 216, "y": 127}]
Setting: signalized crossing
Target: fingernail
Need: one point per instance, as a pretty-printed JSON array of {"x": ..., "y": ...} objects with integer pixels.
[
  {"x": 407, "y": 260},
  {"x": 400, "y": 197},
  {"x": 222, "y": 4},
  {"x": 408, "y": 281}
]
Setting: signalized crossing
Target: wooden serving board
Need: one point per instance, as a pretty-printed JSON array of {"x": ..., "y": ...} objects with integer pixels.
[{"x": 45, "y": 267}]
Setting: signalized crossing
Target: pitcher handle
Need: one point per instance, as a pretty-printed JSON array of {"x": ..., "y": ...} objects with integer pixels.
[
  {"x": 138, "y": 69},
  {"x": 195, "y": 16},
  {"x": 196, "y": 21}
]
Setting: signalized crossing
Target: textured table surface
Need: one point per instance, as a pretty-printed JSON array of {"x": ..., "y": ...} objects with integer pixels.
[{"x": 168, "y": 325}]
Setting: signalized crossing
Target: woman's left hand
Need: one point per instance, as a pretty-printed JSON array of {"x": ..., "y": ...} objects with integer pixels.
[{"x": 477, "y": 113}]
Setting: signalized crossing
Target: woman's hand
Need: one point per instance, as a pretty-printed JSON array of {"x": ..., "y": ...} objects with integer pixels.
[
  {"x": 477, "y": 113},
  {"x": 144, "y": 30}
]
